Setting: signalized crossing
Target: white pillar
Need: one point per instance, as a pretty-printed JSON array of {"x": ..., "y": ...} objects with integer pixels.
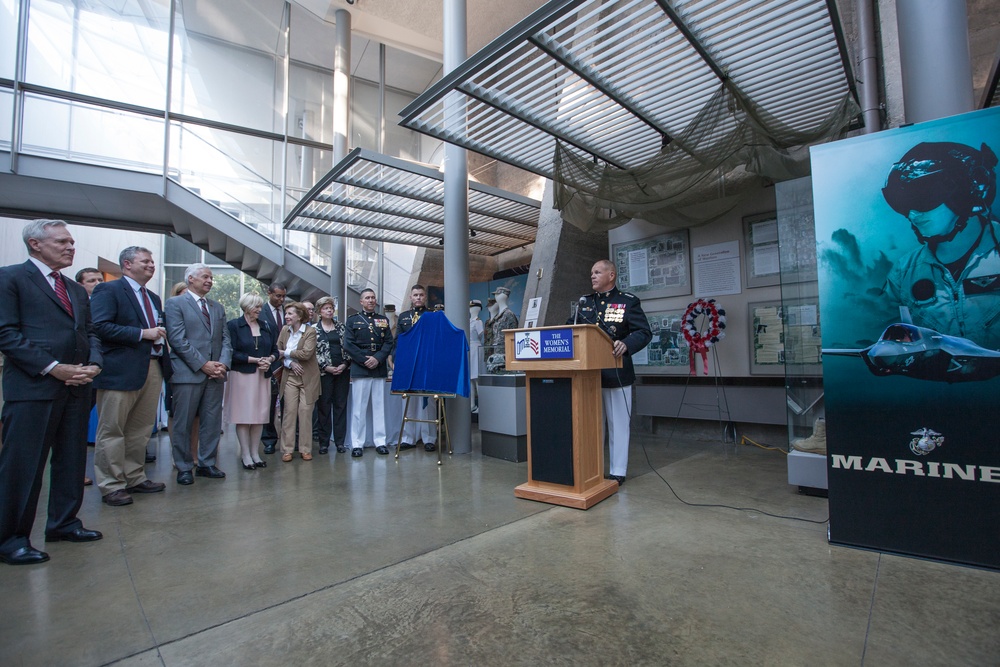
[
  {"x": 934, "y": 58},
  {"x": 456, "y": 218},
  {"x": 341, "y": 121}
]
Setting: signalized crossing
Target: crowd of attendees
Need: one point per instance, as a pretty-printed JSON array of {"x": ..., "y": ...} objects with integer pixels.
[{"x": 280, "y": 373}]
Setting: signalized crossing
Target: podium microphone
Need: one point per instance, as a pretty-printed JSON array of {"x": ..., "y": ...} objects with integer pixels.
[{"x": 579, "y": 304}]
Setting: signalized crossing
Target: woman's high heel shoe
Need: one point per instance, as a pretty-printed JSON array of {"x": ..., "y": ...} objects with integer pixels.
[
  {"x": 260, "y": 464},
  {"x": 249, "y": 466}
]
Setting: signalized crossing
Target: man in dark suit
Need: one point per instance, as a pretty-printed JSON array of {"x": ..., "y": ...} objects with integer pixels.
[
  {"x": 200, "y": 356},
  {"x": 273, "y": 313},
  {"x": 128, "y": 320},
  {"x": 53, "y": 355}
]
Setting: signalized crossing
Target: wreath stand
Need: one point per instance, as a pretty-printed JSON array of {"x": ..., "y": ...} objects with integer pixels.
[
  {"x": 700, "y": 340},
  {"x": 441, "y": 422}
]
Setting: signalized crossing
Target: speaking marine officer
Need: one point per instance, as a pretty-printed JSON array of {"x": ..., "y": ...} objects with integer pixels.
[{"x": 620, "y": 315}]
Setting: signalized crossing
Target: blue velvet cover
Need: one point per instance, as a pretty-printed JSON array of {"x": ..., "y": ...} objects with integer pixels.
[{"x": 433, "y": 356}]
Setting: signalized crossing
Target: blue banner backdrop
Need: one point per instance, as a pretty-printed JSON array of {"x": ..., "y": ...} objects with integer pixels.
[{"x": 907, "y": 218}]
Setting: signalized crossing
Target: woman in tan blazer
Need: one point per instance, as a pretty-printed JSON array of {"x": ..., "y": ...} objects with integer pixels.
[{"x": 299, "y": 382}]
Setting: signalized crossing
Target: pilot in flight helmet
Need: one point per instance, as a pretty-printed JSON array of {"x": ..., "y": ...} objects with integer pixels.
[{"x": 935, "y": 173}]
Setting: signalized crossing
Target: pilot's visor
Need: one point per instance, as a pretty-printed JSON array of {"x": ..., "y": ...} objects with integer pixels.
[{"x": 917, "y": 185}]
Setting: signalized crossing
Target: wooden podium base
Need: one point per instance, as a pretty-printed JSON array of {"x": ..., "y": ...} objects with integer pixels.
[{"x": 563, "y": 495}]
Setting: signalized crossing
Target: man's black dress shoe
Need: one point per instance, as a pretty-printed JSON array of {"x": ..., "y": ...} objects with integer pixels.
[
  {"x": 24, "y": 556},
  {"x": 146, "y": 486},
  {"x": 357, "y": 452},
  {"x": 430, "y": 447},
  {"x": 185, "y": 477},
  {"x": 269, "y": 449},
  {"x": 209, "y": 471},
  {"x": 382, "y": 449},
  {"x": 407, "y": 445},
  {"x": 80, "y": 534},
  {"x": 325, "y": 449},
  {"x": 341, "y": 449},
  {"x": 150, "y": 458},
  {"x": 618, "y": 478}
]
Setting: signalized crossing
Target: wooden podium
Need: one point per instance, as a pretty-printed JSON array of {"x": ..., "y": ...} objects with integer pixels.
[{"x": 565, "y": 412}]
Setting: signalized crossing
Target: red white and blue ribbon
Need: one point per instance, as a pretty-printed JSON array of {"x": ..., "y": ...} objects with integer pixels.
[{"x": 699, "y": 341}]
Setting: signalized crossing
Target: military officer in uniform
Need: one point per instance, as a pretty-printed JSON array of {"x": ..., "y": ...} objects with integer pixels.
[
  {"x": 368, "y": 342},
  {"x": 420, "y": 408},
  {"x": 620, "y": 315}
]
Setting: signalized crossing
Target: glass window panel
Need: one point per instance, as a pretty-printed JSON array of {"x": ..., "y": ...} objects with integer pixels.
[
  {"x": 306, "y": 165},
  {"x": 310, "y": 103},
  {"x": 180, "y": 251},
  {"x": 364, "y": 115},
  {"x": 8, "y": 38},
  {"x": 313, "y": 40},
  {"x": 171, "y": 276},
  {"x": 85, "y": 133},
  {"x": 397, "y": 262},
  {"x": 399, "y": 141},
  {"x": 238, "y": 173},
  {"x": 115, "y": 50},
  {"x": 228, "y": 64},
  {"x": 362, "y": 265},
  {"x": 6, "y": 117},
  {"x": 364, "y": 58}
]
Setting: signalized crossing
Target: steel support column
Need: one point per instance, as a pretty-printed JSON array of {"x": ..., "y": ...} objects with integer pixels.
[
  {"x": 341, "y": 121},
  {"x": 934, "y": 58},
  {"x": 456, "y": 220},
  {"x": 868, "y": 66}
]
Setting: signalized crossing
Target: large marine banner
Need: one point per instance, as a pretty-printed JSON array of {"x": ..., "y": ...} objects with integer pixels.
[{"x": 909, "y": 272}]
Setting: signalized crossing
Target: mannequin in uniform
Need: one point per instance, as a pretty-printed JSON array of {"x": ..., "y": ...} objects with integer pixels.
[
  {"x": 475, "y": 349},
  {"x": 492, "y": 309},
  {"x": 505, "y": 319}
]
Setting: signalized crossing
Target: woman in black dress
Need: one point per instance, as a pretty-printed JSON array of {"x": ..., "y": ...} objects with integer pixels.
[{"x": 335, "y": 378}]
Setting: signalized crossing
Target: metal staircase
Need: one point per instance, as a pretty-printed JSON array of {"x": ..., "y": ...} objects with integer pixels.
[{"x": 101, "y": 196}]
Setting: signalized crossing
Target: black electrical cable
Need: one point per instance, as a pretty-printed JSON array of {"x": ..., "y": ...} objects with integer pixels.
[{"x": 670, "y": 437}]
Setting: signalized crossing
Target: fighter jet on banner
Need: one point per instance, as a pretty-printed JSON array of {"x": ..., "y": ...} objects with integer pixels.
[{"x": 911, "y": 351}]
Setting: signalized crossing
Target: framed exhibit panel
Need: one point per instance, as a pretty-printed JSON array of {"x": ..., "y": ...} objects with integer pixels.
[
  {"x": 668, "y": 352},
  {"x": 760, "y": 235},
  {"x": 659, "y": 266},
  {"x": 785, "y": 331},
  {"x": 796, "y": 230}
]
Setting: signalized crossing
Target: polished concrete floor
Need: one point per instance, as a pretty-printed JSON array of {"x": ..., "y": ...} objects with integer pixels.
[{"x": 376, "y": 562}]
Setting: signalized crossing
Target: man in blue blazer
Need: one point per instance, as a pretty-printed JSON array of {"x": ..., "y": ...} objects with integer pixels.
[
  {"x": 53, "y": 355},
  {"x": 200, "y": 357},
  {"x": 128, "y": 319}
]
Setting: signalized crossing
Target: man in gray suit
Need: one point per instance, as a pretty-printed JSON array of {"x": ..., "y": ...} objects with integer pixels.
[{"x": 200, "y": 354}]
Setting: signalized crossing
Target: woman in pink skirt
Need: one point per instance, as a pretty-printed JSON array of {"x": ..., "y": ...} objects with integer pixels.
[{"x": 248, "y": 391}]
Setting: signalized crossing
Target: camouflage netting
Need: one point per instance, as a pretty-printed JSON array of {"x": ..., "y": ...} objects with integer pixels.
[{"x": 727, "y": 152}]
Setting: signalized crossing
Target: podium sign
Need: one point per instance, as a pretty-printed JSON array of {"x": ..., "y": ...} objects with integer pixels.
[
  {"x": 544, "y": 344},
  {"x": 565, "y": 412}
]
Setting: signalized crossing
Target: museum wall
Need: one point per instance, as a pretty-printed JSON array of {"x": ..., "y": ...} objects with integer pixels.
[{"x": 734, "y": 351}]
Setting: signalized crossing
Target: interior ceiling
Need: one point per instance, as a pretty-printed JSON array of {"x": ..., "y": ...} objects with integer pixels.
[
  {"x": 620, "y": 79},
  {"x": 416, "y": 26}
]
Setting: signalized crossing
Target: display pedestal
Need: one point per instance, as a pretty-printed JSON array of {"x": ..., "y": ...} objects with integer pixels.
[
  {"x": 503, "y": 417},
  {"x": 808, "y": 472},
  {"x": 565, "y": 419}
]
